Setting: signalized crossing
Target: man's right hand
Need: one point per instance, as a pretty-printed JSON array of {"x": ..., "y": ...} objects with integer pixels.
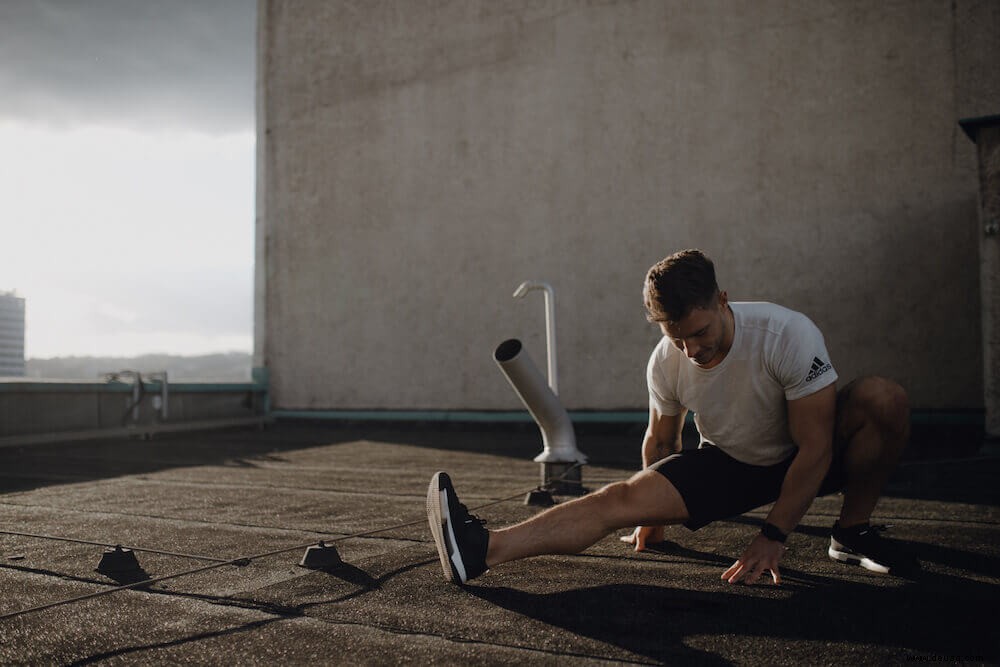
[{"x": 644, "y": 535}]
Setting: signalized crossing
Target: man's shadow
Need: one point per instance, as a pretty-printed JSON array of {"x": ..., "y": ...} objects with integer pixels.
[
  {"x": 969, "y": 561},
  {"x": 936, "y": 615},
  {"x": 636, "y": 618}
]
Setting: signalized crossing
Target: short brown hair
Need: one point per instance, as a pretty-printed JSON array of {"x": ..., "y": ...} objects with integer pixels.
[{"x": 677, "y": 284}]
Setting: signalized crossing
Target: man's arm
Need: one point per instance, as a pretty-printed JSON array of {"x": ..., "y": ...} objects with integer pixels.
[
  {"x": 810, "y": 420},
  {"x": 663, "y": 438}
]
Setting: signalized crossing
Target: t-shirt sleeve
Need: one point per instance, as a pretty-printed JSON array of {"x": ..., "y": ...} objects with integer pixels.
[
  {"x": 801, "y": 363},
  {"x": 662, "y": 395}
]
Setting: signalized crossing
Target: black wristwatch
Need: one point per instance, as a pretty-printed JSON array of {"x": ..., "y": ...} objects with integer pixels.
[{"x": 772, "y": 532}]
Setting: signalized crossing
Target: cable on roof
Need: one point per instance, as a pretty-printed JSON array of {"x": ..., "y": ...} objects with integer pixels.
[
  {"x": 110, "y": 546},
  {"x": 246, "y": 559}
]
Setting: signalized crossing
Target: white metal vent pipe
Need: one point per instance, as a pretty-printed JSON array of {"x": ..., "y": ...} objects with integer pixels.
[
  {"x": 550, "y": 326},
  {"x": 558, "y": 437}
]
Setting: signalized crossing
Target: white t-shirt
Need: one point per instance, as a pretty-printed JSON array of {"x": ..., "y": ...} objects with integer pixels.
[{"x": 777, "y": 355}]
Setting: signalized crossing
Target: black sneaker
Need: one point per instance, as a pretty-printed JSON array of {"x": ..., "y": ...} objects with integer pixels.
[
  {"x": 862, "y": 545},
  {"x": 461, "y": 538}
]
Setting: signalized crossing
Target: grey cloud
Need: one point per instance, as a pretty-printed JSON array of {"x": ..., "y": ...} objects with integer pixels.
[
  {"x": 211, "y": 301},
  {"x": 134, "y": 63}
]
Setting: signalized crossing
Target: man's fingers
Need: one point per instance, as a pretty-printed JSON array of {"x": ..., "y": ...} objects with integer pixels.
[
  {"x": 636, "y": 538},
  {"x": 732, "y": 574},
  {"x": 755, "y": 575},
  {"x": 750, "y": 575}
]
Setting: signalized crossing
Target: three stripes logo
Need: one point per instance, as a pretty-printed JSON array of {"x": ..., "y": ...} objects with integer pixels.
[{"x": 818, "y": 368}]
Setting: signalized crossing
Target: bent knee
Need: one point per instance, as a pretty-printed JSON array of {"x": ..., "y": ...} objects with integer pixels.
[
  {"x": 616, "y": 494},
  {"x": 646, "y": 498},
  {"x": 881, "y": 401},
  {"x": 884, "y": 398}
]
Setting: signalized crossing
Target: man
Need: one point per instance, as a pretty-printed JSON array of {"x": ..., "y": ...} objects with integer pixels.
[{"x": 773, "y": 428}]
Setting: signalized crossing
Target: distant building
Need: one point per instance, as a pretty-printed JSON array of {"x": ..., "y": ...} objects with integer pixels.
[{"x": 11, "y": 334}]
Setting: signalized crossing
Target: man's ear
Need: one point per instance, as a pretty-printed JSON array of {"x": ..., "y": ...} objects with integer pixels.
[{"x": 723, "y": 299}]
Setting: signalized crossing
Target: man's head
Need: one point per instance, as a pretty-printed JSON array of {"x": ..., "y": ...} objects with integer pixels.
[
  {"x": 682, "y": 296},
  {"x": 677, "y": 284}
]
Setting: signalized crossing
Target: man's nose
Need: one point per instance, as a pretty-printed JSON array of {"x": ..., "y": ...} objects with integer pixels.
[{"x": 691, "y": 349}]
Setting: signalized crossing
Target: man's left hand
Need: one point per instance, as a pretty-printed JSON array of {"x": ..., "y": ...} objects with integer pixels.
[{"x": 761, "y": 556}]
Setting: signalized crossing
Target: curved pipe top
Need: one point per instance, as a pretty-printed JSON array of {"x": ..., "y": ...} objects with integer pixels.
[
  {"x": 550, "y": 326},
  {"x": 529, "y": 285}
]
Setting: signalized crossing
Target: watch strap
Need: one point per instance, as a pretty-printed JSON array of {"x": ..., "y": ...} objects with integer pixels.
[{"x": 772, "y": 532}]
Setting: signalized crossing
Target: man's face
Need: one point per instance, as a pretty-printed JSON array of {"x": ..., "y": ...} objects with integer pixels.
[{"x": 703, "y": 334}]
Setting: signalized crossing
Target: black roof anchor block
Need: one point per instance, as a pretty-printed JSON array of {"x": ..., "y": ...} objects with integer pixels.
[
  {"x": 117, "y": 561},
  {"x": 321, "y": 556}
]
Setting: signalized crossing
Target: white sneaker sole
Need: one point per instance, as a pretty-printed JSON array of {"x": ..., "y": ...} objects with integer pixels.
[
  {"x": 437, "y": 518},
  {"x": 853, "y": 559}
]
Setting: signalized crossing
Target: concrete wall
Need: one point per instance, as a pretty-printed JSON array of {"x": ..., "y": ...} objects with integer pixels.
[
  {"x": 53, "y": 411},
  {"x": 987, "y": 137},
  {"x": 419, "y": 159}
]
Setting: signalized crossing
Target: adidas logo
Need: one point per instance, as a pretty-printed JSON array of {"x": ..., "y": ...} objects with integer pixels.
[{"x": 818, "y": 368}]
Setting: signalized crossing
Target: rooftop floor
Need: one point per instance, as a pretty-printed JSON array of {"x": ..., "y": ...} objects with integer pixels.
[{"x": 233, "y": 494}]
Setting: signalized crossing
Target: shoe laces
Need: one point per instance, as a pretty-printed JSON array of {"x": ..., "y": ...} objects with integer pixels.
[
  {"x": 469, "y": 517},
  {"x": 869, "y": 539},
  {"x": 870, "y": 528}
]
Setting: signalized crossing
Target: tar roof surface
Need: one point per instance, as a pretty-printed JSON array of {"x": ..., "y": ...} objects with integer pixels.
[{"x": 230, "y": 494}]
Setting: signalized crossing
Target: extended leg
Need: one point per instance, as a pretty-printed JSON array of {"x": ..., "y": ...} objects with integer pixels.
[
  {"x": 648, "y": 498},
  {"x": 467, "y": 549}
]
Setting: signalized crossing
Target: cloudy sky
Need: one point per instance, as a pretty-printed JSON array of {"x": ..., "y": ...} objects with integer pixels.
[{"x": 127, "y": 174}]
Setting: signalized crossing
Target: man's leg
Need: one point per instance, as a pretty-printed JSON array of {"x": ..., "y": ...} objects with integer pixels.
[
  {"x": 647, "y": 499},
  {"x": 467, "y": 549},
  {"x": 873, "y": 418}
]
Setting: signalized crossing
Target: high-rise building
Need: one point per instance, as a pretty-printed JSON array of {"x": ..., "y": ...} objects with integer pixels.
[{"x": 11, "y": 334}]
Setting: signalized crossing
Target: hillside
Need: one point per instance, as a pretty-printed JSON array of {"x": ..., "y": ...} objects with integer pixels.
[{"x": 223, "y": 367}]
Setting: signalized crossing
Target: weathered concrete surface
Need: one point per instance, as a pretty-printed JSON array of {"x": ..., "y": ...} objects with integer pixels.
[
  {"x": 419, "y": 160},
  {"x": 988, "y": 148},
  {"x": 234, "y": 494}
]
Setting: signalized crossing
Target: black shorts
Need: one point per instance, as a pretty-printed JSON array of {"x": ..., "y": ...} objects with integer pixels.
[{"x": 716, "y": 486}]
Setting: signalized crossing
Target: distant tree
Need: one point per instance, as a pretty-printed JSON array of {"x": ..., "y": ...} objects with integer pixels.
[{"x": 222, "y": 367}]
